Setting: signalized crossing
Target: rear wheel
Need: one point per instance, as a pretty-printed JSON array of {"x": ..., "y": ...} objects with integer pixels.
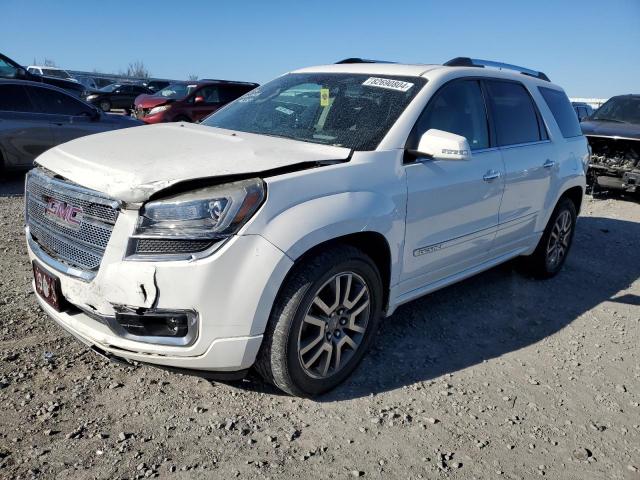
[
  {"x": 323, "y": 322},
  {"x": 552, "y": 250},
  {"x": 105, "y": 105}
]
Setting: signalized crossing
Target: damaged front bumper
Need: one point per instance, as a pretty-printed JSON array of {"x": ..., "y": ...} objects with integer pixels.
[
  {"x": 615, "y": 163},
  {"x": 226, "y": 298}
]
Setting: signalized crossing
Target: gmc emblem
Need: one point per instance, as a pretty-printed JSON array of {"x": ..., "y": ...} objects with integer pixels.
[{"x": 63, "y": 213}]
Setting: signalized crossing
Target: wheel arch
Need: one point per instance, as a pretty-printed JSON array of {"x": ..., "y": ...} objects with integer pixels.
[
  {"x": 372, "y": 243},
  {"x": 575, "y": 194}
]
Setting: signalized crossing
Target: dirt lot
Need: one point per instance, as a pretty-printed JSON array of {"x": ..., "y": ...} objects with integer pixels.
[{"x": 498, "y": 377}]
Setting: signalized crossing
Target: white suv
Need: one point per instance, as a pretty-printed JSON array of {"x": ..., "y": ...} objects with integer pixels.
[{"x": 278, "y": 232}]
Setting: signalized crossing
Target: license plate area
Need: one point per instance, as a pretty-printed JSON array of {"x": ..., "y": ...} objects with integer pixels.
[{"x": 48, "y": 287}]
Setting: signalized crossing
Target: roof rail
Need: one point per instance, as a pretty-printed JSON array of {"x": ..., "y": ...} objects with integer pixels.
[
  {"x": 361, "y": 60},
  {"x": 476, "y": 62}
]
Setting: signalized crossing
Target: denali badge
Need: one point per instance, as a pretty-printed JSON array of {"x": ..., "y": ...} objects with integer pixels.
[{"x": 63, "y": 213}]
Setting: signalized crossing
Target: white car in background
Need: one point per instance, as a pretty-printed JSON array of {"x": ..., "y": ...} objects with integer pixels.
[
  {"x": 279, "y": 231},
  {"x": 51, "y": 72}
]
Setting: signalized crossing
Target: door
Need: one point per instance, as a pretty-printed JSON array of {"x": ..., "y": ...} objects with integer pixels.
[
  {"x": 528, "y": 158},
  {"x": 68, "y": 117},
  {"x": 24, "y": 133},
  {"x": 205, "y": 101},
  {"x": 452, "y": 206}
]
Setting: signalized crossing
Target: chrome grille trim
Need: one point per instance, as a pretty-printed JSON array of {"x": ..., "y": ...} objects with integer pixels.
[{"x": 79, "y": 249}]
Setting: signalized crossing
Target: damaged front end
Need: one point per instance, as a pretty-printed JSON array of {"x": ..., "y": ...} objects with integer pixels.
[{"x": 615, "y": 163}]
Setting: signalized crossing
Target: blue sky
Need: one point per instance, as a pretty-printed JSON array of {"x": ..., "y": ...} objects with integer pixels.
[{"x": 590, "y": 47}]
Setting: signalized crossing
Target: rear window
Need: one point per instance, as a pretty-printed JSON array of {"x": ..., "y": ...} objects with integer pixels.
[
  {"x": 514, "y": 113},
  {"x": 560, "y": 107}
]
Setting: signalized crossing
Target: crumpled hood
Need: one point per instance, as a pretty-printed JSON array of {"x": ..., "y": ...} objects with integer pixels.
[
  {"x": 610, "y": 129},
  {"x": 134, "y": 163}
]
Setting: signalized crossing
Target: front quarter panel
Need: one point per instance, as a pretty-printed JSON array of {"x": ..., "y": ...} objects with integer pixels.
[{"x": 309, "y": 207}]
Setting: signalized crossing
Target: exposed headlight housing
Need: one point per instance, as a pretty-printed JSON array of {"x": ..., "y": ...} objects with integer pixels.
[
  {"x": 193, "y": 222},
  {"x": 159, "y": 109}
]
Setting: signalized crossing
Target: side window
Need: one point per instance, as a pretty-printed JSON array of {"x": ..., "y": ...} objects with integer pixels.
[
  {"x": 560, "y": 107},
  {"x": 14, "y": 98},
  {"x": 57, "y": 103},
  {"x": 230, "y": 93},
  {"x": 7, "y": 70},
  {"x": 457, "y": 108},
  {"x": 210, "y": 94},
  {"x": 514, "y": 114}
]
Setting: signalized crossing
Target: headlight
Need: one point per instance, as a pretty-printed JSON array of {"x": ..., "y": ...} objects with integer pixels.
[
  {"x": 159, "y": 109},
  {"x": 194, "y": 221},
  {"x": 91, "y": 97}
]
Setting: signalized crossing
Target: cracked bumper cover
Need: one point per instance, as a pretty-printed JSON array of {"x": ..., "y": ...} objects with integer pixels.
[{"x": 232, "y": 291}]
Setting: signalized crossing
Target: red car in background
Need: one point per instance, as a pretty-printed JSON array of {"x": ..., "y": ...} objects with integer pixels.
[{"x": 188, "y": 101}]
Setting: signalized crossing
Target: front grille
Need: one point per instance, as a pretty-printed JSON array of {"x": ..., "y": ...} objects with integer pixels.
[{"x": 80, "y": 245}]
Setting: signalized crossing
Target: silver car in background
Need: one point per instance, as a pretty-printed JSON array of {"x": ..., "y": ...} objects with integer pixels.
[{"x": 35, "y": 117}]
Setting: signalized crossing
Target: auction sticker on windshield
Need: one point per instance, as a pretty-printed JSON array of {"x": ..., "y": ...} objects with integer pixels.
[{"x": 388, "y": 83}]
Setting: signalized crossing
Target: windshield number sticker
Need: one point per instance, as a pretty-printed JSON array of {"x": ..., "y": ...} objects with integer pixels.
[
  {"x": 284, "y": 110},
  {"x": 324, "y": 97},
  {"x": 388, "y": 84}
]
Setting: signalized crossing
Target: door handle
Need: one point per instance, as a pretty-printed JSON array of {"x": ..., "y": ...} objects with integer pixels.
[
  {"x": 548, "y": 163},
  {"x": 57, "y": 123},
  {"x": 491, "y": 175}
]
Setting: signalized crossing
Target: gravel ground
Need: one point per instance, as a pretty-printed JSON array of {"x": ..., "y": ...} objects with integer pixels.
[{"x": 497, "y": 377}]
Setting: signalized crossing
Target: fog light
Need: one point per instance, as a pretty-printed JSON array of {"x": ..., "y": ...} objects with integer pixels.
[{"x": 156, "y": 326}]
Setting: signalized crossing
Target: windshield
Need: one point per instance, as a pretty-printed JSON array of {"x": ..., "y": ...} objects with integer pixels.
[
  {"x": 619, "y": 109},
  {"x": 110, "y": 88},
  {"x": 348, "y": 110},
  {"x": 49, "y": 72},
  {"x": 176, "y": 91}
]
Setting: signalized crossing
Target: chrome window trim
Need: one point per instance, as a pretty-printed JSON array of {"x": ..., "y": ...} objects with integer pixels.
[{"x": 525, "y": 144}]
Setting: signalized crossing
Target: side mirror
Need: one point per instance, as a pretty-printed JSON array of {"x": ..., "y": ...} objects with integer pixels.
[
  {"x": 198, "y": 99},
  {"x": 441, "y": 145},
  {"x": 21, "y": 73}
]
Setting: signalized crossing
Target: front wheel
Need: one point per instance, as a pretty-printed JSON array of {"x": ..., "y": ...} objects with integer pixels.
[
  {"x": 324, "y": 320},
  {"x": 552, "y": 250},
  {"x": 105, "y": 105}
]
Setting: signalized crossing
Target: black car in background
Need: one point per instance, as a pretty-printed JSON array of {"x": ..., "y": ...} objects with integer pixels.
[
  {"x": 116, "y": 96},
  {"x": 613, "y": 132},
  {"x": 12, "y": 70},
  {"x": 583, "y": 110},
  {"x": 35, "y": 117}
]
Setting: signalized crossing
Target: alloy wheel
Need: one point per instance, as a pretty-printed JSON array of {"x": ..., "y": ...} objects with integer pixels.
[
  {"x": 559, "y": 240},
  {"x": 334, "y": 325}
]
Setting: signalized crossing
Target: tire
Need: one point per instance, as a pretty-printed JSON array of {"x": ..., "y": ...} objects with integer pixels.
[
  {"x": 105, "y": 105},
  {"x": 308, "y": 317},
  {"x": 554, "y": 245}
]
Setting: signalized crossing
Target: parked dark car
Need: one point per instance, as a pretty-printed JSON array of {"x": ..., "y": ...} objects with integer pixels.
[
  {"x": 116, "y": 95},
  {"x": 189, "y": 101},
  {"x": 157, "y": 85},
  {"x": 613, "y": 132},
  {"x": 583, "y": 110},
  {"x": 35, "y": 117},
  {"x": 13, "y": 70}
]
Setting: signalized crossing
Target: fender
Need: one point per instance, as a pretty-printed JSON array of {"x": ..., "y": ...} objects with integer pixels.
[
  {"x": 325, "y": 218},
  {"x": 368, "y": 194},
  {"x": 571, "y": 175}
]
